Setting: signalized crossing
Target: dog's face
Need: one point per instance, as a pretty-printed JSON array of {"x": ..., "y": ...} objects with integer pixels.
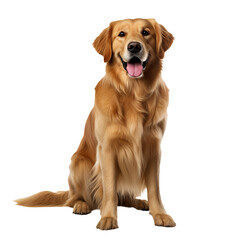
[{"x": 133, "y": 44}]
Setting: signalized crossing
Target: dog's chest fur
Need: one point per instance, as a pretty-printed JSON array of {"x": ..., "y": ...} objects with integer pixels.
[
  {"x": 131, "y": 119},
  {"x": 139, "y": 117}
]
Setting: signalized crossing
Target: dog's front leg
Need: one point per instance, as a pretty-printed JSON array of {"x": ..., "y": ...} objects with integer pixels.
[
  {"x": 156, "y": 207},
  {"x": 109, "y": 202}
]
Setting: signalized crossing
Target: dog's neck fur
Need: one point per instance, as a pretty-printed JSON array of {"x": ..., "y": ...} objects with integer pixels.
[
  {"x": 141, "y": 88},
  {"x": 149, "y": 94}
]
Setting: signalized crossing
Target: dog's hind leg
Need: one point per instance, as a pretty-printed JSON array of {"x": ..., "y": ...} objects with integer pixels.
[
  {"x": 81, "y": 207},
  {"x": 129, "y": 201},
  {"x": 79, "y": 195}
]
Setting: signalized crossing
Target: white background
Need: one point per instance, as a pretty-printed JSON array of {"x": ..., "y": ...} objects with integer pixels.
[{"x": 48, "y": 71}]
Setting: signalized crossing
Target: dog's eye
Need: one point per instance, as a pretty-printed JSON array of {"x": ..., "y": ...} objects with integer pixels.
[
  {"x": 121, "y": 34},
  {"x": 145, "y": 33}
]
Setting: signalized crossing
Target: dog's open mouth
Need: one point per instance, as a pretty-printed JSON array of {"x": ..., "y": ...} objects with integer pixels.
[{"x": 134, "y": 67}]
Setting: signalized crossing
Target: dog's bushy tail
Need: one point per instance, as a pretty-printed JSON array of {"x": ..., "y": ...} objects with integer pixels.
[{"x": 44, "y": 199}]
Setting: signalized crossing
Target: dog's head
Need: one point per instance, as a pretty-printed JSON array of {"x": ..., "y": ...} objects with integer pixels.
[{"x": 133, "y": 44}]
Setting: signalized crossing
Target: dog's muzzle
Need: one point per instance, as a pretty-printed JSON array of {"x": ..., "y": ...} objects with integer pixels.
[{"x": 134, "y": 66}]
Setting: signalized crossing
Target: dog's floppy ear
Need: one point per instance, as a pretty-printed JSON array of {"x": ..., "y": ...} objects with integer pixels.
[
  {"x": 167, "y": 40},
  {"x": 103, "y": 44},
  {"x": 164, "y": 39}
]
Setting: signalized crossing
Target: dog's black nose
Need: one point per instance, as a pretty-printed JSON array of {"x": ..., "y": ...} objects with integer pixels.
[{"x": 134, "y": 47}]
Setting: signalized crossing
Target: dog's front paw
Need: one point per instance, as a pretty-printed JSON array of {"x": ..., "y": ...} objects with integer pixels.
[
  {"x": 165, "y": 220},
  {"x": 107, "y": 223}
]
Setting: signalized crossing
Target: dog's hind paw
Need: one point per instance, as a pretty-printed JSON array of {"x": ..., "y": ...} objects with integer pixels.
[{"x": 81, "y": 207}]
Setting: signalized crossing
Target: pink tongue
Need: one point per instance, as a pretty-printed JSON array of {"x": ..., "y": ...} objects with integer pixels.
[{"x": 134, "y": 69}]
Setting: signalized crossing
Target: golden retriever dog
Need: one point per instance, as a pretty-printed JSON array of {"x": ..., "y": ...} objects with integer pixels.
[{"x": 119, "y": 154}]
